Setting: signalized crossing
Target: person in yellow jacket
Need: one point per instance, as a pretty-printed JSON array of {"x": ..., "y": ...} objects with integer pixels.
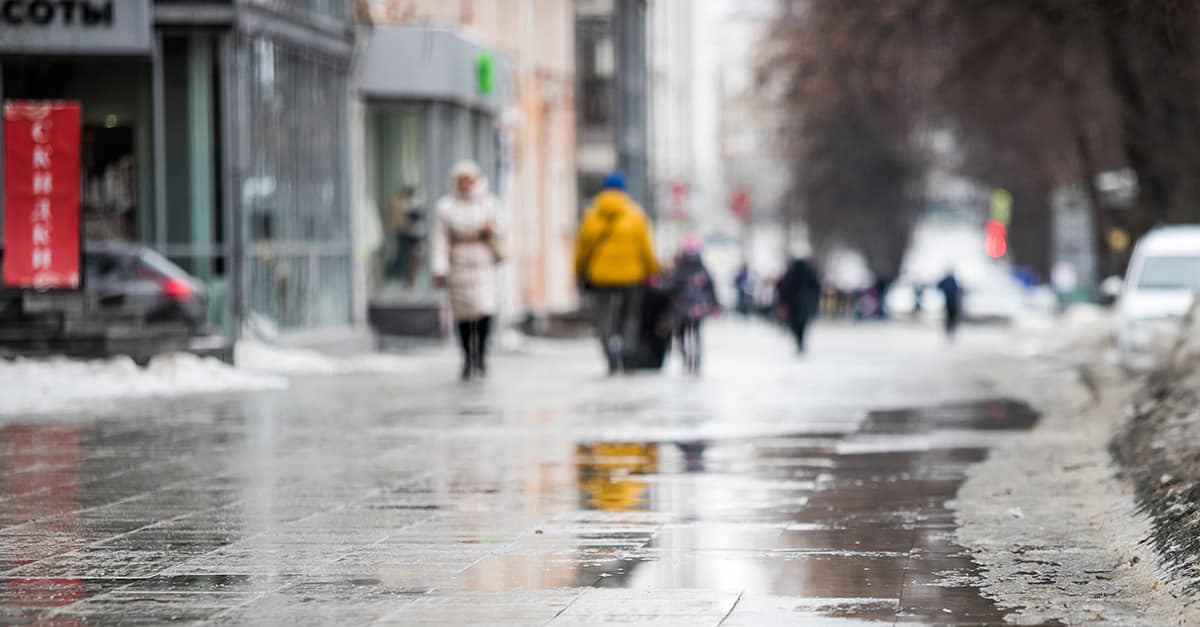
[{"x": 614, "y": 256}]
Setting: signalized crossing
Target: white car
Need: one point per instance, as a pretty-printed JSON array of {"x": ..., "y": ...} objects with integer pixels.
[
  {"x": 1162, "y": 280},
  {"x": 994, "y": 297}
]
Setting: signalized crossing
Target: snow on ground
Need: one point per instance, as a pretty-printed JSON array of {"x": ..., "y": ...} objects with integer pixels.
[
  {"x": 61, "y": 385},
  {"x": 1082, "y": 326},
  {"x": 1158, "y": 448},
  {"x": 261, "y": 357},
  {"x": 38, "y": 386},
  {"x": 1056, "y": 528}
]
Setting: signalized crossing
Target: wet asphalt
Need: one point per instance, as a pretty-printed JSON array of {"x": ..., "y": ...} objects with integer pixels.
[{"x": 773, "y": 489}]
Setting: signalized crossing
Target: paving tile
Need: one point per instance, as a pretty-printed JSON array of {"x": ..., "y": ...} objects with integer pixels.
[{"x": 414, "y": 500}]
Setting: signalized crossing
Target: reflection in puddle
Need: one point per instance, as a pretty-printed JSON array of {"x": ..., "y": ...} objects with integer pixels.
[
  {"x": 791, "y": 524},
  {"x": 850, "y": 526},
  {"x": 608, "y": 474},
  {"x": 38, "y": 460}
]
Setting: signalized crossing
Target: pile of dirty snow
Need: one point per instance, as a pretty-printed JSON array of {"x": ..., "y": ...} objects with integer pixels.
[
  {"x": 1159, "y": 448},
  {"x": 1083, "y": 328},
  {"x": 1050, "y": 518},
  {"x": 35, "y": 386}
]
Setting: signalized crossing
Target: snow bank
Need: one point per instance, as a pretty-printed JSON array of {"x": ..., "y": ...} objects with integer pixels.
[
  {"x": 31, "y": 386},
  {"x": 260, "y": 357},
  {"x": 1186, "y": 351},
  {"x": 1081, "y": 328},
  {"x": 57, "y": 385},
  {"x": 1054, "y": 527},
  {"x": 1159, "y": 450},
  {"x": 1088, "y": 326}
]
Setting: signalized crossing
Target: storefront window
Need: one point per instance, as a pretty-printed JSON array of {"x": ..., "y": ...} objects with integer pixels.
[
  {"x": 483, "y": 135},
  {"x": 402, "y": 199},
  {"x": 298, "y": 264},
  {"x": 408, "y": 173},
  {"x": 116, "y": 140},
  {"x": 195, "y": 224}
]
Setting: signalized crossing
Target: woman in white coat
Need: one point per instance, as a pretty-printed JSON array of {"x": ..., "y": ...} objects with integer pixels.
[{"x": 466, "y": 248}]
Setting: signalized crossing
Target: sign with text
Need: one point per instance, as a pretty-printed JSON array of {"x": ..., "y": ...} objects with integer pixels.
[
  {"x": 41, "y": 195},
  {"x": 76, "y": 26}
]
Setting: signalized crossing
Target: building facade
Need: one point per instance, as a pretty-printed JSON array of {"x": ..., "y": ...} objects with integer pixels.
[
  {"x": 444, "y": 80},
  {"x": 755, "y": 168},
  {"x": 612, "y": 81},
  {"x": 214, "y": 132},
  {"x": 287, "y": 152},
  {"x": 684, "y": 96}
]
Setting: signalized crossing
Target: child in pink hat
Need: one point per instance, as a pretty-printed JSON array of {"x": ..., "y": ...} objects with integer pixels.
[{"x": 693, "y": 298}]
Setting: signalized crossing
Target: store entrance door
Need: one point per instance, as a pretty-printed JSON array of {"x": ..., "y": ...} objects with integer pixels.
[
  {"x": 117, "y": 135},
  {"x": 109, "y": 185}
]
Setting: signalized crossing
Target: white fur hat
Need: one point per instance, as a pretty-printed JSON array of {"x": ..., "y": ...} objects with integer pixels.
[
  {"x": 466, "y": 167},
  {"x": 799, "y": 248}
]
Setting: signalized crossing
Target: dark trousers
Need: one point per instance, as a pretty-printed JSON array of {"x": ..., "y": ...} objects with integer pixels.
[
  {"x": 473, "y": 334},
  {"x": 799, "y": 325},
  {"x": 688, "y": 336},
  {"x": 953, "y": 315},
  {"x": 618, "y": 312}
]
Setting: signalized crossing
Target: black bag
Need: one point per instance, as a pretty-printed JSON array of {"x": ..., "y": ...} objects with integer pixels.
[{"x": 654, "y": 329}]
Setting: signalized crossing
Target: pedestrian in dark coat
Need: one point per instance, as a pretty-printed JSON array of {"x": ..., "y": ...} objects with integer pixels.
[
  {"x": 743, "y": 284},
  {"x": 799, "y": 297},
  {"x": 952, "y": 294}
]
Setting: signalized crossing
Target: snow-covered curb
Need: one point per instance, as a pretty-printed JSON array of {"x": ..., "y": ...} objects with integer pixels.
[
  {"x": 40, "y": 386},
  {"x": 255, "y": 356},
  {"x": 61, "y": 385},
  {"x": 1159, "y": 448},
  {"x": 1057, "y": 532}
]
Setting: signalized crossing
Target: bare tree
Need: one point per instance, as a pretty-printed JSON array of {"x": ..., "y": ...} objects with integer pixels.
[{"x": 1039, "y": 93}]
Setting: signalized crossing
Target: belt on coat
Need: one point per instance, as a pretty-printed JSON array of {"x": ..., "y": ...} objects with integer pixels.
[{"x": 474, "y": 238}]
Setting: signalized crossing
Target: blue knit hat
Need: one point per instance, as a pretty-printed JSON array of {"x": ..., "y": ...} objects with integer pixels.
[{"x": 616, "y": 180}]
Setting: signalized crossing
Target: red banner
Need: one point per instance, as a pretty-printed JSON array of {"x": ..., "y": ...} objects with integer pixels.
[{"x": 41, "y": 195}]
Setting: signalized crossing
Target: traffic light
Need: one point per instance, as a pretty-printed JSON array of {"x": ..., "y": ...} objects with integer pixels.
[{"x": 995, "y": 239}]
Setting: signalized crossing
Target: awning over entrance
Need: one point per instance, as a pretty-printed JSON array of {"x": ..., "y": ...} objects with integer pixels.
[{"x": 422, "y": 63}]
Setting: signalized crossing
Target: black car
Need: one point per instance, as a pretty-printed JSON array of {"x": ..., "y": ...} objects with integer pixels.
[{"x": 133, "y": 279}]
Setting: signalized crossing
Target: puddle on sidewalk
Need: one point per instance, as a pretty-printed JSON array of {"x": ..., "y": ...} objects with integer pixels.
[
  {"x": 249, "y": 520},
  {"x": 852, "y": 526}
]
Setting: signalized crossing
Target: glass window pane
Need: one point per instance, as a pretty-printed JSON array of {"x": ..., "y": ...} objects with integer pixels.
[
  {"x": 403, "y": 200},
  {"x": 1170, "y": 273},
  {"x": 298, "y": 262},
  {"x": 193, "y": 202}
]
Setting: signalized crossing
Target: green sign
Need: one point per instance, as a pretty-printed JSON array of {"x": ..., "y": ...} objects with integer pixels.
[
  {"x": 484, "y": 74},
  {"x": 1001, "y": 206}
]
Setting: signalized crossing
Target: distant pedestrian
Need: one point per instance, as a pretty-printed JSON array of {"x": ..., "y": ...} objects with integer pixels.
[
  {"x": 880, "y": 286},
  {"x": 467, "y": 245},
  {"x": 952, "y": 294},
  {"x": 693, "y": 298},
  {"x": 799, "y": 298},
  {"x": 614, "y": 256},
  {"x": 743, "y": 285}
]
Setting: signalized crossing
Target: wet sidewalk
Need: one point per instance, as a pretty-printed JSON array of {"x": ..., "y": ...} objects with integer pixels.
[{"x": 772, "y": 490}]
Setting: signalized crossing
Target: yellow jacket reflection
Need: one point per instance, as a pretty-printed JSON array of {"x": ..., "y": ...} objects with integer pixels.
[{"x": 606, "y": 474}]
